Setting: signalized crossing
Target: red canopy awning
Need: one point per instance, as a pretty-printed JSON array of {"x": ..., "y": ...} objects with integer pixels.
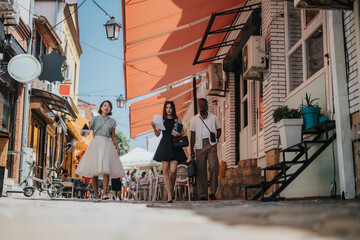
[
  {"x": 142, "y": 112},
  {"x": 161, "y": 38}
]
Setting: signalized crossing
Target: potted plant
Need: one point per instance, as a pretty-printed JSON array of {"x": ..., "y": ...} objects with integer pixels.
[
  {"x": 289, "y": 124},
  {"x": 310, "y": 111},
  {"x": 322, "y": 117}
]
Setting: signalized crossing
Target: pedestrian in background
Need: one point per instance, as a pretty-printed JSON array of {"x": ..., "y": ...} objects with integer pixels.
[
  {"x": 127, "y": 185},
  {"x": 116, "y": 188},
  {"x": 102, "y": 154},
  {"x": 204, "y": 147},
  {"x": 167, "y": 153}
]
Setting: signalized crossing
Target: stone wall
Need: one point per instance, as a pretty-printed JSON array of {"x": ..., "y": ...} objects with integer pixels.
[{"x": 233, "y": 184}]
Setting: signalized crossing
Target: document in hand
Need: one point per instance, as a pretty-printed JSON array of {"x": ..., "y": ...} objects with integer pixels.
[{"x": 158, "y": 121}]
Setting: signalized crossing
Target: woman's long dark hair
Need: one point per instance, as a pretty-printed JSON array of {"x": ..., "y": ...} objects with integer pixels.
[
  {"x": 106, "y": 101},
  {"x": 173, "y": 113}
]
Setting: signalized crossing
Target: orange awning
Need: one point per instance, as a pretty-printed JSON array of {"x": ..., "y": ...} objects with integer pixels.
[
  {"x": 142, "y": 112},
  {"x": 161, "y": 39}
]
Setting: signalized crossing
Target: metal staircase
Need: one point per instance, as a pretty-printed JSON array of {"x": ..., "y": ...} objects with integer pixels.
[{"x": 322, "y": 135}]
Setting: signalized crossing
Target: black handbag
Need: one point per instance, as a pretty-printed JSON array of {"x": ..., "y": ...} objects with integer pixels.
[
  {"x": 192, "y": 168},
  {"x": 181, "y": 141}
]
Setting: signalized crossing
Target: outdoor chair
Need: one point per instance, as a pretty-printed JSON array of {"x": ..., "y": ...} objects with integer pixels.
[
  {"x": 158, "y": 186},
  {"x": 68, "y": 191},
  {"x": 79, "y": 188},
  {"x": 182, "y": 179},
  {"x": 144, "y": 189}
]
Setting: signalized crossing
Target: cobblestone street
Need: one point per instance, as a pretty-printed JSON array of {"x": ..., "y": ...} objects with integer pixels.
[{"x": 33, "y": 218}]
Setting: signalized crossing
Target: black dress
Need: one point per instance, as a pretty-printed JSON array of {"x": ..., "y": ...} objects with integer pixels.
[{"x": 166, "y": 150}]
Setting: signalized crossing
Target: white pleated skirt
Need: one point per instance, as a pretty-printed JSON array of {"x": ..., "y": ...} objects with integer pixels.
[{"x": 100, "y": 158}]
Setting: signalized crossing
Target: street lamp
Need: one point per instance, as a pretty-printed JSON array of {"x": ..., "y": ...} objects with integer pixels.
[
  {"x": 120, "y": 101},
  {"x": 112, "y": 29}
]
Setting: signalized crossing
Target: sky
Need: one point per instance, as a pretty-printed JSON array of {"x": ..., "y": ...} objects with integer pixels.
[{"x": 101, "y": 63}]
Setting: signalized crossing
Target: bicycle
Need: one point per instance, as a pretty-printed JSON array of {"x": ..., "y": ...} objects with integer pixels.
[{"x": 54, "y": 189}]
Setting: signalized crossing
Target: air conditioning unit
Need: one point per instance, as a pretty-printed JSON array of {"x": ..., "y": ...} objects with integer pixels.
[
  {"x": 215, "y": 79},
  {"x": 9, "y": 12},
  {"x": 324, "y": 4},
  {"x": 253, "y": 57}
]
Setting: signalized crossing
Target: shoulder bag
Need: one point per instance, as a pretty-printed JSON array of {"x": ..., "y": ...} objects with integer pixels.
[
  {"x": 212, "y": 134},
  {"x": 192, "y": 168}
]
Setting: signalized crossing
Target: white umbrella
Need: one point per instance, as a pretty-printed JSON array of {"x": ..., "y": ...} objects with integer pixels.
[{"x": 138, "y": 158}]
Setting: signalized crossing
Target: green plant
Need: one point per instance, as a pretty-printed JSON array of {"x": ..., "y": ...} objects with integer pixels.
[
  {"x": 285, "y": 112},
  {"x": 308, "y": 101}
]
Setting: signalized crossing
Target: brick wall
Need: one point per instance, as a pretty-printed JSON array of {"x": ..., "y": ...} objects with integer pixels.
[
  {"x": 350, "y": 39},
  {"x": 18, "y": 130},
  {"x": 275, "y": 79}
]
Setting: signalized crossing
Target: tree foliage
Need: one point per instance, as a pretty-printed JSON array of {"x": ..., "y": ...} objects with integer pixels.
[{"x": 123, "y": 142}]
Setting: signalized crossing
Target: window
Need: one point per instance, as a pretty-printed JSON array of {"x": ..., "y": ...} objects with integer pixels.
[
  {"x": 261, "y": 108},
  {"x": 304, "y": 45},
  {"x": 257, "y": 107},
  {"x": 5, "y": 104},
  {"x": 75, "y": 79},
  {"x": 39, "y": 46},
  {"x": 315, "y": 50},
  {"x": 50, "y": 151}
]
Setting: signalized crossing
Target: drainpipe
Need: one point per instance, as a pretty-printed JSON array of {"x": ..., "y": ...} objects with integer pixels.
[
  {"x": 195, "y": 97},
  {"x": 56, "y": 11},
  {"x": 341, "y": 105},
  {"x": 25, "y": 126}
]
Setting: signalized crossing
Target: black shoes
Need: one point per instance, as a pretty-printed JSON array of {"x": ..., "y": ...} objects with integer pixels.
[{"x": 212, "y": 196}]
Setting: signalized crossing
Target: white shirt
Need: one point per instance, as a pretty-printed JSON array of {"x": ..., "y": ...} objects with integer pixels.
[
  {"x": 197, "y": 126},
  {"x": 205, "y": 131}
]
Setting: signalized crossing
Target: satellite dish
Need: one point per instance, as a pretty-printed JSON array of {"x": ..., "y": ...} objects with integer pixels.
[{"x": 24, "y": 68}]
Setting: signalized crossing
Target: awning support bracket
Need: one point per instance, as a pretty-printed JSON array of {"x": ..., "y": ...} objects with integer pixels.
[
  {"x": 236, "y": 11},
  {"x": 223, "y": 44}
]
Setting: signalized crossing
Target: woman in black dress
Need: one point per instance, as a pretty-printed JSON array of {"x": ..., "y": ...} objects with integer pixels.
[{"x": 167, "y": 153}]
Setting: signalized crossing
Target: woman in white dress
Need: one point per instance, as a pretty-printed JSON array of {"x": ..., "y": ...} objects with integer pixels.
[{"x": 102, "y": 156}]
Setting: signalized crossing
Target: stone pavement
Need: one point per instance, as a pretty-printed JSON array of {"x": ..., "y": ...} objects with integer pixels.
[{"x": 34, "y": 218}]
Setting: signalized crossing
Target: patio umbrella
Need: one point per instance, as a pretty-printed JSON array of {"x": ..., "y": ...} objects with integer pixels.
[{"x": 138, "y": 158}]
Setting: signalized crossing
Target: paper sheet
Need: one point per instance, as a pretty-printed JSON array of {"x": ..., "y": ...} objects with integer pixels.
[{"x": 158, "y": 121}]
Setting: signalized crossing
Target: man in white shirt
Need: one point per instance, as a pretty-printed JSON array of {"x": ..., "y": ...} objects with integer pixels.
[{"x": 204, "y": 146}]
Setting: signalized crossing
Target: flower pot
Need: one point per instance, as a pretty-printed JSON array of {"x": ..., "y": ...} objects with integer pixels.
[
  {"x": 311, "y": 116},
  {"x": 323, "y": 119},
  {"x": 290, "y": 131}
]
